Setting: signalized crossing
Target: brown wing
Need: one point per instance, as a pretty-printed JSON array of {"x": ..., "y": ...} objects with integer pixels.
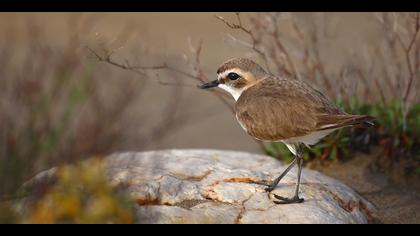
[{"x": 276, "y": 109}]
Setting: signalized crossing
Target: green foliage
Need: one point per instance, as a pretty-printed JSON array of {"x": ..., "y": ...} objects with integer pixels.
[{"x": 396, "y": 131}]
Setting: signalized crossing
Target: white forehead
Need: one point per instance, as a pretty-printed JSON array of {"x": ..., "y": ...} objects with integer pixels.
[{"x": 226, "y": 72}]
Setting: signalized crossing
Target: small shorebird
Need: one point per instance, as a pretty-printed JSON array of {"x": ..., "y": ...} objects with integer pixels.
[{"x": 281, "y": 109}]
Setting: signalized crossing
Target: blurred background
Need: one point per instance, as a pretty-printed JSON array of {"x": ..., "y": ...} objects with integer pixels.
[{"x": 77, "y": 85}]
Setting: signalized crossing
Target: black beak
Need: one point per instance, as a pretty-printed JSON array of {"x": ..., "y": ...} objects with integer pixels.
[{"x": 210, "y": 84}]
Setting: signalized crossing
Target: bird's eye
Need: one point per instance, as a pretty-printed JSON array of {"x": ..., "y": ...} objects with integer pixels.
[{"x": 233, "y": 76}]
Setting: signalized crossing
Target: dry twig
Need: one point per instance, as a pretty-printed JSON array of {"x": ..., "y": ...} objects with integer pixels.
[{"x": 141, "y": 70}]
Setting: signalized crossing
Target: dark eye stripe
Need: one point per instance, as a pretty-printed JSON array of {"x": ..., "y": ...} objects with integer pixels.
[{"x": 233, "y": 76}]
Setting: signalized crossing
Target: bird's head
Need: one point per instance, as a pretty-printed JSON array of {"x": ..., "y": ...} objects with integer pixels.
[{"x": 236, "y": 75}]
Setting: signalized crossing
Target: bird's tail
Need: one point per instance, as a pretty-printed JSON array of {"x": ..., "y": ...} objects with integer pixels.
[
  {"x": 364, "y": 122},
  {"x": 343, "y": 120}
]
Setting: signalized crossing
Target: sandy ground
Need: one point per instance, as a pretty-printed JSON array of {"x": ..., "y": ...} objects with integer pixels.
[{"x": 396, "y": 203}]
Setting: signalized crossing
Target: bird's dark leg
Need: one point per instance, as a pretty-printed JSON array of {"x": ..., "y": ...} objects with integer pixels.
[
  {"x": 272, "y": 185},
  {"x": 295, "y": 198}
]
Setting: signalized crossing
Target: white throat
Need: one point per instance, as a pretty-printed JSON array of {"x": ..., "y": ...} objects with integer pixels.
[{"x": 235, "y": 92}]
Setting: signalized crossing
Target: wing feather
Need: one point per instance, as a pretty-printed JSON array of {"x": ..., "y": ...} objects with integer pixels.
[{"x": 278, "y": 109}]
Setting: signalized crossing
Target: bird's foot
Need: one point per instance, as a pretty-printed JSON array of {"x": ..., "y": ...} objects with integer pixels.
[
  {"x": 270, "y": 185},
  {"x": 284, "y": 200},
  {"x": 270, "y": 188}
]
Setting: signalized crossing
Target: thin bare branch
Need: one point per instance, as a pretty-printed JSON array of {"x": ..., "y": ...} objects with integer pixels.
[
  {"x": 137, "y": 68},
  {"x": 200, "y": 77}
]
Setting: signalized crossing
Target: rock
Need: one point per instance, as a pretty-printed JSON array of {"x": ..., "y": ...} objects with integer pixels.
[{"x": 211, "y": 186}]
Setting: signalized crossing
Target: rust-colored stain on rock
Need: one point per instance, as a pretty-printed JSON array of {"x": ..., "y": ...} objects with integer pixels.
[
  {"x": 246, "y": 180},
  {"x": 148, "y": 201}
]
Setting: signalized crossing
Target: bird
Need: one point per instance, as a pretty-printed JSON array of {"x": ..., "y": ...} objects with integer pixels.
[{"x": 281, "y": 109}]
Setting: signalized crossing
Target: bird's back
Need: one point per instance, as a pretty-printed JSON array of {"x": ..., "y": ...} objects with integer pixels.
[{"x": 279, "y": 109}]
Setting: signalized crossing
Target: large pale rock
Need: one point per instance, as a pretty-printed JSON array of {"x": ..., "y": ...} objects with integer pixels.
[{"x": 211, "y": 186}]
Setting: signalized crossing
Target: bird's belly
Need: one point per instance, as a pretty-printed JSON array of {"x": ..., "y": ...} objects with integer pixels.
[{"x": 311, "y": 138}]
